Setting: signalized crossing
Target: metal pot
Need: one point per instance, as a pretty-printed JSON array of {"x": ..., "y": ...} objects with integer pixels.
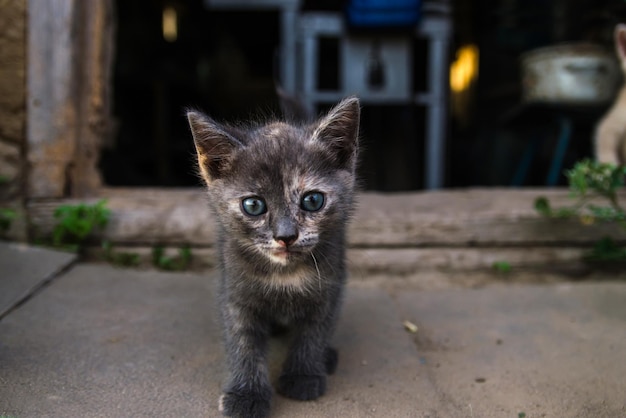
[{"x": 570, "y": 73}]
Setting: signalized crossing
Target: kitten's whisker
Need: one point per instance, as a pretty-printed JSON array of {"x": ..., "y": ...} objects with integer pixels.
[
  {"x": 319, "y": 275},
  {"x": 328, "y": 263}
]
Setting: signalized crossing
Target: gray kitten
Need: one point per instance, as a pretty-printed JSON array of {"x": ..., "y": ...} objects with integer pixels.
[{"x": 282, "y": 194}]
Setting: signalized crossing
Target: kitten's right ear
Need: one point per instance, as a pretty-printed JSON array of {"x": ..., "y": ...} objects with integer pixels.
[
  {"x": 214, "y": 145},
  {"x": 339, "y": 132}
]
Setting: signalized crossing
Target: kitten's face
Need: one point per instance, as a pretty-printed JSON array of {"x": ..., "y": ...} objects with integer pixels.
[
  {"x": 280, "y": 206},
  {"x": 280, "y": 190}
]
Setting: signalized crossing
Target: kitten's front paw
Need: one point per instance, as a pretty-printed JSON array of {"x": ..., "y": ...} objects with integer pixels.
[
  {"x": 244, "y": 405},
  {"x": 302, "y": 387}
]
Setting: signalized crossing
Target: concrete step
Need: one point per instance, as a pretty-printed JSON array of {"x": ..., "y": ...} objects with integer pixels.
[
  {"x": 448, "y": 218},
  {"x": 396, "y": 233}
]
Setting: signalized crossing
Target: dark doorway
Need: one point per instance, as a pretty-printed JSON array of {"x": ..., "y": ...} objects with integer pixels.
[{"x": 210, "y": 63}]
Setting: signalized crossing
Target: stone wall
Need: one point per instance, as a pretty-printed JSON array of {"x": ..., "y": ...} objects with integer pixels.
[{"x": 13, "y": 112}]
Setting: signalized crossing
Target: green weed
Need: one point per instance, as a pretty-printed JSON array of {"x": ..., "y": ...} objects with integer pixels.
[
  {"x": 120, "y": 258},
  {"x": 76, "y": 223},
  {"x": 501, "y": 266},
  {"x": 177, "y": 263},
  {"x": 7, "y": 216},
  {"x": 589, "y": 181}
]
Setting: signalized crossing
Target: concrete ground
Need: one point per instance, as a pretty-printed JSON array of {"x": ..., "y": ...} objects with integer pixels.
[{"x": 100, "y": 341}]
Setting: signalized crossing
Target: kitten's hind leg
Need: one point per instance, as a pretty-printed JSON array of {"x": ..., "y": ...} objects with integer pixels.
[
  {"x": 302, "y": 387},
  {"x": 331, "y": 357},
  {"x": 307, "y": 387}
]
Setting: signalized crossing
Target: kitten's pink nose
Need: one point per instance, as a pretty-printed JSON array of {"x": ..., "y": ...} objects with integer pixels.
[
  {"x": 287, "y": 240},
  {"x": 285, "y": 231}
]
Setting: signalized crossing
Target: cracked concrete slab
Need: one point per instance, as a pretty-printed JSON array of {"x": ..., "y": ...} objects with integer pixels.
[
  {"x": 103, "y": 341},
  {"x": 24, "y": 268}
]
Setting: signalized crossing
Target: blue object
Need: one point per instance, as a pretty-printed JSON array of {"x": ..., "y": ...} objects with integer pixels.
[
  {"x": 561, "y": 149},
  {"x": 556, "y": 165},
  {"x": 383, "y": 14},
  {"x": 525, "y": 163}
]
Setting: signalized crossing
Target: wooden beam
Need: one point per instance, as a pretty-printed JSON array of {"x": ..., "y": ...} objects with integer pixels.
[{"x": 69, "y": 58}]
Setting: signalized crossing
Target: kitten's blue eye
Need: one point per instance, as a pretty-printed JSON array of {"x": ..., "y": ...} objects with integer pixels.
[
  {"x": 254, "y": 206},
  {"x": 312, "y": 201}
]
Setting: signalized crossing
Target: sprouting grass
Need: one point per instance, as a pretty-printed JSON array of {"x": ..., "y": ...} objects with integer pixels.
[
  {"x": 7, "y": 216},
  {"x": 501, "y": 266},
  {"x": 75, "y": 223},
  {"x": 162, "y": 261},
  {"x": 594, "y": 190},
  {"x": 120, "y": 258}
]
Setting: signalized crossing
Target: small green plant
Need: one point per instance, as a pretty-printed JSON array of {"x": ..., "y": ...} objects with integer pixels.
[
  {"x": 177, "y": 263},
  {"x": 606, "y": 250},
  {"x": 589, "y": 182},
  {"x": 120, "y": 258},
  {"x": 75, "y": 223},
  {"x": 501, "y": 266},
  {"x": 7, "y": 216}
]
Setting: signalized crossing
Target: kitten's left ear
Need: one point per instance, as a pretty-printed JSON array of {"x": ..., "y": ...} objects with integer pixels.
[{"x": 339, "y": 131}]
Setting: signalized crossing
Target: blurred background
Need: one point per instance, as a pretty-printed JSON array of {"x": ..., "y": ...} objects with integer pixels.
[{"x": 445, "y": 98}]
